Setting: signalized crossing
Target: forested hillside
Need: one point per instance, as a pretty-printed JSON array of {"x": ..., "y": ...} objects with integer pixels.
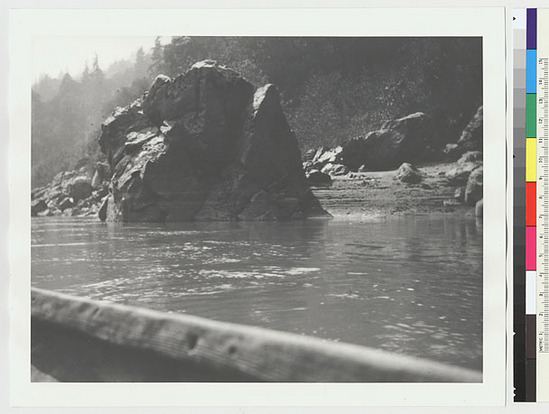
[{"x": 332, "y": 89}]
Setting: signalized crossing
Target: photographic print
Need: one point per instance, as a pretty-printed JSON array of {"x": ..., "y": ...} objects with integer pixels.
[{"x": 258, "y": 208}]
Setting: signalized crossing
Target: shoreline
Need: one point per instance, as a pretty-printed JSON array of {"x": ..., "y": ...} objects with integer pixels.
[
  {"x": 377, "y": 195},
  {"x": 365, "y": 196}
]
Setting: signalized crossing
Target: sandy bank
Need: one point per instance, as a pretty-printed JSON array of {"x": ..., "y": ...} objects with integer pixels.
[{"x": 378, "y": 194}]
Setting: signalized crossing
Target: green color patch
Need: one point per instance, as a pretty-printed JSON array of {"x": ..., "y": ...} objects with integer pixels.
[{"x": 531, "y": 115}]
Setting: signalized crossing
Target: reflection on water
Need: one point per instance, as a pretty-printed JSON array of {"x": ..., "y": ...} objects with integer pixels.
[{"x": 409, "y": 285}]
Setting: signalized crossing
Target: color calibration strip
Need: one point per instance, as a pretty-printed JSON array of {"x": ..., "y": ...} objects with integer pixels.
[
  {"x": 531, "y": 193},
  {"x": 531, "y": 204},
  {"x": 520, "y": 185}
]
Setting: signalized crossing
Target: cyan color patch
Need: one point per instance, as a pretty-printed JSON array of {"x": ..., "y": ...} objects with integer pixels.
[{"x": 531, "y": 71}]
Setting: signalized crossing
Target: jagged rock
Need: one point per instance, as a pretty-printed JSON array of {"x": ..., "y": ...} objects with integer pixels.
[
  {"x": 37, "y": 207},
  {"x": 316, "y": 177},
  {"x": 308, "y": 166},
  {"x": 325, "y": 156},
  {"x": 459, "y": 194},
  {"x": 102, "y": 213},
  {"x": 335, "y": 169},
  {"x": 205, "y": 145},
  {"x": 96, "y": 180},
  {"x": 66, "y": 203},
  {"x": 470, "y": 156},
  {"x": 82, "y": 162},
  {"x": 398, "y": 141},
  {"x": 45, "y": 213},
  {"x": 407, "y": 173},
  {"x": 452, "y": 151},
  {"x": 471, "y": 137},
  {"x": 101, "y": 175},
  {"x": 450, "y": 203},
  {"x": 309, "y": 155},
  {"x": 473, "y": 190},
  {"x": 38, "y": 193},
  {"x": 459, "y": 173}
]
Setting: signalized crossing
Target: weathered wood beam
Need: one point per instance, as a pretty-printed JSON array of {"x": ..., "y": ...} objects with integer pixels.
[{"x": 76, "y": 339}]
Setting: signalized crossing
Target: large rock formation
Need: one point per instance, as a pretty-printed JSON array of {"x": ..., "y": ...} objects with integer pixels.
[
  {"x": 206, "y": 145},
  {"x": 398, "y": 141},
  {"x": 471, "y": 139}
]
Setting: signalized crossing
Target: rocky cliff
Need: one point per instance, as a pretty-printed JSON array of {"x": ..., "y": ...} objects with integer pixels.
[{"x": 206, "y": 145}]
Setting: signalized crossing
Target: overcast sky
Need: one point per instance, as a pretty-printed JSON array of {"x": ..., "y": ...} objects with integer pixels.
[{"x": 52, "y": 55}]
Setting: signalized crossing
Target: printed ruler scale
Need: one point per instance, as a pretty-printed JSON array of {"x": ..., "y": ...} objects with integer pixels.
[
  {"x": 542, "y": 284},
  {"x": 542, "y": 265}
]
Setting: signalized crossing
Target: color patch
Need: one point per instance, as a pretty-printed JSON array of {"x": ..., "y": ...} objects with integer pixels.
[
  {"x": 530, "y": 248},
  {"x": 530, "y": 204},
  {"x": 531, "y": 293},
  {"x": 531, "y": 71},
  {"x": 531, "y": 28},
  {"x": 531, "y": 159},
  {"x": 531, "y": 109}
]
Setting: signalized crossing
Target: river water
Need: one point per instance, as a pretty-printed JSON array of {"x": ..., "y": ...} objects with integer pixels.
[{"x": 410, "y": 285}]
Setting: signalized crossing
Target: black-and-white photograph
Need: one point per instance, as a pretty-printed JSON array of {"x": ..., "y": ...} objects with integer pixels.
[{"x": 215, "y": 208}]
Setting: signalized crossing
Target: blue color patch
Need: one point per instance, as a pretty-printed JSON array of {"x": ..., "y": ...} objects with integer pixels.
[{"x": 531, "y": 71}]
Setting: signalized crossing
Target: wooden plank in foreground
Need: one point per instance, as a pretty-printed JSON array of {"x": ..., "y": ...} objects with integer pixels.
[{"x": 75, "y": 339}]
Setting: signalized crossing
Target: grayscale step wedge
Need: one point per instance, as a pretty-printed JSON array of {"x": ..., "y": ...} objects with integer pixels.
[{"x": 81, "y": 340}]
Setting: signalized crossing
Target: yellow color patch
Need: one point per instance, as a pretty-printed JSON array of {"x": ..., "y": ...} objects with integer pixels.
[{"x": 531, "y": 159}]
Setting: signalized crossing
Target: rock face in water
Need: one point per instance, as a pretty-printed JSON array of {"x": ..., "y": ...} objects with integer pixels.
[
  {"x": 206, "y": 145},
  {"x": 398, "y": 141},
  {"x": 473, "y": 190},
  {"x": 471, "y": 137}
]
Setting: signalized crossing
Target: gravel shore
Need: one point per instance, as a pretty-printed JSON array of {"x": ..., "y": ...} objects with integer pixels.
[{"x": 379, "y": 194}]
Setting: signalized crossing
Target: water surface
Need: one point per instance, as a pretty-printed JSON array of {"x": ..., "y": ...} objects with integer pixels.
[{"x": 410, "y": 285}]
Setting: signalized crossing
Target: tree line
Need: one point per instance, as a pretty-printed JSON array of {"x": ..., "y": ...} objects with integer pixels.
[{"x": 331, "y": 88}]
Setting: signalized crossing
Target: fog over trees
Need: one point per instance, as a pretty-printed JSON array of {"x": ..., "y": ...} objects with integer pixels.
[{"x": 332, "y": 89}]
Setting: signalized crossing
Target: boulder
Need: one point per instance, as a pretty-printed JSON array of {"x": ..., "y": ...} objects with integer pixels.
[
  {"x": 471, "y": 137},
  {"x": 479, "y": 208},
  {"x": 407, "y": 173},
  {"x": 206, "y": 145},
  {"x": 458, "y": 175},
  {"x": 398, "y": 141},
  {"x": 473, "y": 190},
  {"x": 335, "y": 169},
  {"x": 316, "y": 177},
  {"x": 79, "y": 188},
  {"x": 37, "y": 207}
]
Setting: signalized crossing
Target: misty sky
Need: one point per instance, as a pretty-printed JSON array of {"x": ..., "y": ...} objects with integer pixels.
[{"x": 52, "y": 55}]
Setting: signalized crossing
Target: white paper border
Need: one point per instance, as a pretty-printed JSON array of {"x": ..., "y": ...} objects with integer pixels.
[{"x": 486, "y": 22}]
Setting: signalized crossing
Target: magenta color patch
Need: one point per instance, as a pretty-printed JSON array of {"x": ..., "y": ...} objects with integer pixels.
[{"x": 530, "y": 248}]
